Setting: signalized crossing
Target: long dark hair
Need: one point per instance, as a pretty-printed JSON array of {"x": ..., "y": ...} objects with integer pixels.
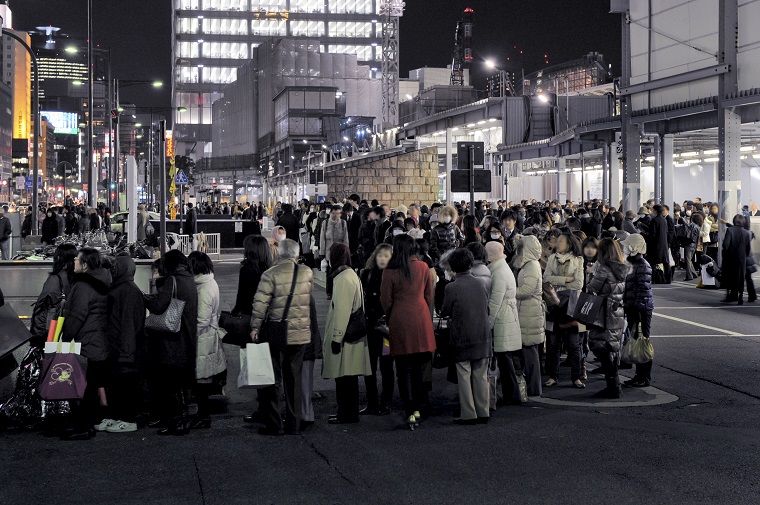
[
  {"x": 63, "y": 261},
  {"x": 404, "y": 248},
  {"x": 470, "y": 228},
  {"x": 258, "y": 254},
  {"x": 171, "y": 261},
  {"x": 609, "y": 252},
  {"x": 574, "y": 245}
]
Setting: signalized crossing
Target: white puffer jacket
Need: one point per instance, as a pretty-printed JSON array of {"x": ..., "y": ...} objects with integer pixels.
[
  {"x": 503, "y": 316},
  {"x": 210, "y": 357},
  {"x": 530, "y": 306}
]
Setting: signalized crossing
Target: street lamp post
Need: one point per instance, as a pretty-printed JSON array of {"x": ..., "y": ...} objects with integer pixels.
[
  {"x": 92, "y": 190},
  {"x": 36, "y": 133}
]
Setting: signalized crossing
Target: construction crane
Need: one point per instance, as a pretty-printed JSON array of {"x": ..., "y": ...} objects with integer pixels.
[
  {"x": 391, "y": 11},
  {"x": 462, "y": 48}
]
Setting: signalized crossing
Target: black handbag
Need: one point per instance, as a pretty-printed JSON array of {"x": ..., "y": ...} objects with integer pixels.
[
  {"x": 442, "y": 355},
  {"x": 238, "y": 328},
  {"x": 357, "y": 327},
  {"x": 590, "y": 310},
  {"x": 275, "y": 333}
]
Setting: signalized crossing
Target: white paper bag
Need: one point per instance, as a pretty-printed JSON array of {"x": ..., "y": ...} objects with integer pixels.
[
  {"x": 255, "y": 367},
  {"x": 707, "y": 279}
]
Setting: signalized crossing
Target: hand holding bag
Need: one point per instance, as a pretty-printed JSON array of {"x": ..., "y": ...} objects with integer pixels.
[
  {"x": 256, "y": 369},
  {"x": 275, "y": 333},
  {"x": 64, "y": 375},
  {"x": 171, "y": 320}
]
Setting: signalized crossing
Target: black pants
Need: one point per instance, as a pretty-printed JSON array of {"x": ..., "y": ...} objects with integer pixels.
[
  {"x": 751, "y": 293},
  {"x": 554, "y": 350},
  {"x": 287, "y": 372},
  {"x": 347, "y": 393},
  {"x": 125, "y": 395},
  {"x": 609, "y": 362},
  {"x": 634, "y": 317},
  {"x": 167, "y": 384},
  {"x": 87, "y": 412},
  {"x": 375, "y": 342},
  {"x": 510, "y": 368},
  {"x": 410, "y": 369}
]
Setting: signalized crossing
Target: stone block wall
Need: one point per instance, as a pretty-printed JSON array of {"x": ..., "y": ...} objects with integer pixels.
[{"x": 402, "y": 179}]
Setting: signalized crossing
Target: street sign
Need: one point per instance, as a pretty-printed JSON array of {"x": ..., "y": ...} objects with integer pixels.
[
  {"x": 20, "y": 182},
  {"x": 29, "y": 181},
  {"x": 181, "y": 178}
]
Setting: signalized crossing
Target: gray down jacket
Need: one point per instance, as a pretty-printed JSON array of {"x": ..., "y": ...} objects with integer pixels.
[{"x": 609, "y": 282}]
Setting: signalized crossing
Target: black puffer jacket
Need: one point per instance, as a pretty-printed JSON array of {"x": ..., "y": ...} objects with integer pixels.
[
  {"x": 609, "y": 282},
  {"x": 372, "y": 280},
  {"x": 86, "y": 313},
  {"x": 638, "y": 285},
  {"x": 442, "y": 238},
  {"x": 50, "y": 296},
  {"x": 175, "y": 349},
  {"x": 126, "y": 314}
]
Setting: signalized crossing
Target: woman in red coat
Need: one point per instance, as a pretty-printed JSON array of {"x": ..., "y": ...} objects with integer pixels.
[{"x": 406, "y": 295}]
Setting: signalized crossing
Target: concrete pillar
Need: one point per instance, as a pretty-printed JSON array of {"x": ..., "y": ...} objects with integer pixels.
[
  {"x": 615, "y": 194},
  {"x": 668, "y": 178},
  {"x": 561, "y": 181},
  {"x": 449, "y": 162},
  {"x": 729, "y": 167}
]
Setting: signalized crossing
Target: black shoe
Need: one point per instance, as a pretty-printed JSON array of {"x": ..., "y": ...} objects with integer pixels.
[
  {"x": 383, "y": 411},
  {"x": 482, "y": 420},
  {"x": 305, "y": 425},
  {"x": 730, "y": 299},
  {"x": 292, "y": 431},
  {"x": 637, "y": 383},
  {"x": 156, "y": 423},
  {"x": 751, "y": 299},
  {"x": 271, "y": 432},
  {"x": 178, "y": 427},
  {"x": 79, "y": 435},
  {"x": 609, "y": 394},
  {"x": 369, "y": 411}
]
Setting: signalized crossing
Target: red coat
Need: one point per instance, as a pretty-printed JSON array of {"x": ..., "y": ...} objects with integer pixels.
[{"x": 408, "y": 305}]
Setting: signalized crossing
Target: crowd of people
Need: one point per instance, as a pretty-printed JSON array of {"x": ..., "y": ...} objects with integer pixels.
[{"x": 477, "y": 291}]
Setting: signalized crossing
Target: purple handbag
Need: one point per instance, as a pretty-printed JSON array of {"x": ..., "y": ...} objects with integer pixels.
[{"x": 64, "y": 375}]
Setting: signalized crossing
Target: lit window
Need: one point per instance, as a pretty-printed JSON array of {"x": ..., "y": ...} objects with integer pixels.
[
  {"x": 188, "y": 49},
  {"x": 188, "y": 4},
  {"x": 215, "y": 26},
  {"x": 223, "y": 5},
  {"x": 268, "y": 27},
  {"x": 305, "y": 28},
  {"x": 350, "y": 29},
  {"x": 310, "y": 6},
  {"x": 268, "y": 5},
  {"x": 351, "y": 6},
  {"x": 187, "y": 25}
]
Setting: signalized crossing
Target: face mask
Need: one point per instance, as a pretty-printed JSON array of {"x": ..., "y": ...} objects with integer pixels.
[
  {"x": 280, "y": 238},
  {"x": 446, "y": 220},
  {"x": 496, "y": 236},
  {"x": 447, "y": 275}
]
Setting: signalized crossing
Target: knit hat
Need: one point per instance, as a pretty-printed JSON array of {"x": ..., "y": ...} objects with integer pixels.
[
  {"x": 495, "y": 251},
  {"x": 635, "y": 244},
  {"x": 403, "y": 209}
]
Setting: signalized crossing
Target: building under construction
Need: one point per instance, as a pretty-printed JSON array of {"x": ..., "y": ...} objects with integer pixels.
[{"x": 576, "y": 75}]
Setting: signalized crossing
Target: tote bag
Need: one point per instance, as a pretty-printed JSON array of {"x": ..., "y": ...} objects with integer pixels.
[
  {"x": 255, "y": 367},
  {"x": 64, "y": 374},
  {"x": 590, "y": 310}
]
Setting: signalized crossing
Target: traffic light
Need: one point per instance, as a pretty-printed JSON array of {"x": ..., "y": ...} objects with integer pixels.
[{"x": 113, "y": 185}]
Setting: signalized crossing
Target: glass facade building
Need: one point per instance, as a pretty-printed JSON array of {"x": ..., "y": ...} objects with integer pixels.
[{"x": 213, "y": 38}]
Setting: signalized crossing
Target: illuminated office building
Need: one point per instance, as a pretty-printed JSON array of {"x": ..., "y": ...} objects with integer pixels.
[{"x": 212, "y": 38}]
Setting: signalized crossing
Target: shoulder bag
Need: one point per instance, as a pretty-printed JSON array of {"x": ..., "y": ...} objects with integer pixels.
[
  {"x": 237, "y": 326},
  {"x": 357, "y": 325},
  {"x": 275, "y": 333},
  {"x": 171, "y": 320}
]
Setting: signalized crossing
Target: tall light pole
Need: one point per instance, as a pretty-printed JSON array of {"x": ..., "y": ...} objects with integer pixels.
[
  {"x": 37, "y": 126},
  {"x": 92, "y": 180}
]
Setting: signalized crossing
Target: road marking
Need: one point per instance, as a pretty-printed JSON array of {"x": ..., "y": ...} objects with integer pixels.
[
  {"x": 710, "y": 335},
  {"x": 732, "y": 306},
  {"x": 678, "y": 319}
]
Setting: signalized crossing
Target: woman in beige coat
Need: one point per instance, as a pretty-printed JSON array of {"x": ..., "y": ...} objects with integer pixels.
[
  {"x": 343, "y": 361},
  {"x": 504, "y": 320},
  {"x": 530, "y": 308}
]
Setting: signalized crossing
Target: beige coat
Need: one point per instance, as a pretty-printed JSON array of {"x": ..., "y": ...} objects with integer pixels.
[
  {"x": 530, "y": 306},
  {"x": 353, "y": 358},
  {"x": 272, "y": 296},
  {"x": 503, "y": 316},
  {"x": 210, "y": 354}
]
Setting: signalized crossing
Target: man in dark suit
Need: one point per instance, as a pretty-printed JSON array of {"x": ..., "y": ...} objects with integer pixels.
[{"x": 354, "y": 219}]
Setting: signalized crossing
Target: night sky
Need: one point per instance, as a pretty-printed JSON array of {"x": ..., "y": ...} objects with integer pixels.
[{"x": 140, "y": 36}]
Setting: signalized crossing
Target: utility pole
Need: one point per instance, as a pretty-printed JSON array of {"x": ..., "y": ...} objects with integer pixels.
[{"x": 162, "y": 182}]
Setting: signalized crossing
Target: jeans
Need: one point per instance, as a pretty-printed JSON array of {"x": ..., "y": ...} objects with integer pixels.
[
  {"x": 644, "y": 370},
  {"x": 688, "y": 256},
  {"x": 554, "y": 350},
  {"x": 287, "y": 366},
  {"x": 347, "y": 393},
  {"x": 5, "y": 250},
  {"x": 472, "y": 382},
  {"x": 375, "y": 342},
  {"x": 410, "y": 370}
]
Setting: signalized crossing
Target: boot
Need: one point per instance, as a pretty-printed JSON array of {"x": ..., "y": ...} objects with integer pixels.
[{"x": 613, "y": 391}]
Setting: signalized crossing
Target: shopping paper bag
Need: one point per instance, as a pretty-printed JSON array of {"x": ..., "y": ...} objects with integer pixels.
[
  {"x": 255, "y": 367},
  {"x": 64, "y": 374}
]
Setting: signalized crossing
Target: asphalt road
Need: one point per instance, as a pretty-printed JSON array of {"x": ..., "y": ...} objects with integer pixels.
[{"x": 699, "y": 446}]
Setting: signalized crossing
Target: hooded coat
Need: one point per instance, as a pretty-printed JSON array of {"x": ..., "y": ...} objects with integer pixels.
[
  {"x": 531, "y": 309},
  {"x": 609, "y": 282},
  {"x": 503, "y": 316},
  {"x": 86, "y": 313},
  {"x": 210, "y": 354},
  {"x": 126, "y": 314}
]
